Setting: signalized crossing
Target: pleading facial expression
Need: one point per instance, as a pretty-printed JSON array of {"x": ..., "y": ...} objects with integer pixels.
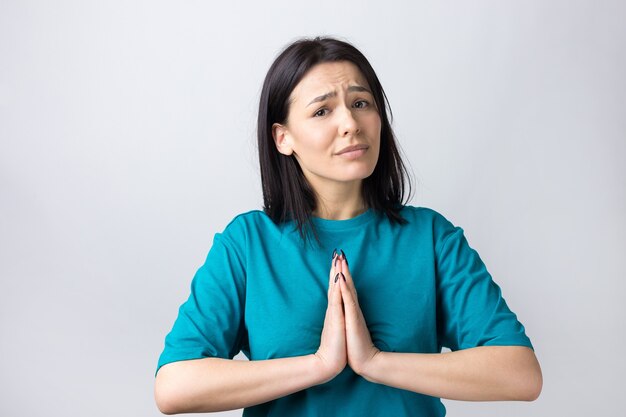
[{"x": 333, "y": 126}]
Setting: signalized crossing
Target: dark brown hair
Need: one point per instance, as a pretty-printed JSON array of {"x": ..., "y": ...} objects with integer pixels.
[{"x": 287, "y": 195}]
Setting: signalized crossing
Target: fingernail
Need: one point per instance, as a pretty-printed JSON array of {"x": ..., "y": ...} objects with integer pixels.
[
  {"x": 337, "y": 277},
  {"x": 343, "y": 276},
  {"x": 334, "y": 253},
  {"x": 344, "y": 256}
]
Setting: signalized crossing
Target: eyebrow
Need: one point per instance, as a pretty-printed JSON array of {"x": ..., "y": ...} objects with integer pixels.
[{"x": 351, "y": 88}]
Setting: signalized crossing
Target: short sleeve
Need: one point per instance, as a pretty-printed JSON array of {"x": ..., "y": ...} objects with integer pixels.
[
  {"x": 471, "y": 311},
  {"x": 210, "y": 323}
]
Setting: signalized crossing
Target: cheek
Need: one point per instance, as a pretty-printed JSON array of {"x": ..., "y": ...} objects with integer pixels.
[
  {"x": 372, "y": 123},
  {"x": 314, "y": 141},
  {"x": 378, "y": 125},
  {"x": 376, "y": 129},
  {"x": 375, "y": 137}
]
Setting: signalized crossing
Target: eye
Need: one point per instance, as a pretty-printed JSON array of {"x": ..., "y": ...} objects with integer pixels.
[
  {"x": 320, "y": 112},
  {"x": 361, "y": 104}
]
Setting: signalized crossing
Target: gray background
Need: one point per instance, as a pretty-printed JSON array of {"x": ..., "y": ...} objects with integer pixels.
[{"x": 127, "y": 139}]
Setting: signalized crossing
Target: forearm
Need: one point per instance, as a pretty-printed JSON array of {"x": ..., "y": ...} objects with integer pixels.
[
  {"x": 215, "y": 384},
  {"x": 486, "y": 373}
]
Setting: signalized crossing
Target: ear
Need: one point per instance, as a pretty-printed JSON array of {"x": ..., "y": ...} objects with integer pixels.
[{"x": 282, "y": 139}]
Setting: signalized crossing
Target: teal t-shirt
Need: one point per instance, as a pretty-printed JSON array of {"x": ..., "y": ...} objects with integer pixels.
[{"x": 263, "y": 292}]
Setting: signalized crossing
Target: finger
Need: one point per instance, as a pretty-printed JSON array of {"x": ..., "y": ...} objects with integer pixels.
[
  {"x": 332, "y": 266},
  {"x": 349, "y": 295},
  {"x": 334, "y": 311},
  {"x": 337, "y": 262},
  {"x": 351, "y": 309},
  {"x": 346, "y": 295},
  {"x": 332, "y": 273},
  {"x": 336, "y": 298},
  {"x": 335, "y": 287},
  {"x": 345, "y": 269}
]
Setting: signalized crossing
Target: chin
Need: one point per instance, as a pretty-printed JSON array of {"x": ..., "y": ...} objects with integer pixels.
[{"x": 360, "y": 175}]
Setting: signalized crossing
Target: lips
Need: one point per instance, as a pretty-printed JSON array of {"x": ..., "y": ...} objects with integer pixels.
[{"x": 352, "y": 148}]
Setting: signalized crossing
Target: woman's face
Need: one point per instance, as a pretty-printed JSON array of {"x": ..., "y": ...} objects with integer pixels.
[{"x": 333, "y": 126}]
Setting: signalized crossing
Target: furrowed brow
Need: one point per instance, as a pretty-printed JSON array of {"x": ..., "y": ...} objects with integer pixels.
[
  {"x": 351, "y": 89},
  {"x": 358, "y": 88},
  {"x": 322, "y": 98}
]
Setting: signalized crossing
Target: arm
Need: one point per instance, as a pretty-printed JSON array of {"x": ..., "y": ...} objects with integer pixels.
[
  {"x": 215, "y": 384},
  {"x": 486, "y": 373}
]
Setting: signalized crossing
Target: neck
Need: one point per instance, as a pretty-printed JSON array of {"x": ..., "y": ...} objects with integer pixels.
[{"x": 340, "y": 201}]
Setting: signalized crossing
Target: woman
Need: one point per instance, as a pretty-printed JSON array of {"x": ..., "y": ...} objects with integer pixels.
[{"x": 326, "y": 336}]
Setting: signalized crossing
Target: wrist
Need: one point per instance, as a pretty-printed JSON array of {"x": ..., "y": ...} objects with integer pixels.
[
  {"x": 319, "y": 368},
  {"x": 372, "y": 368}
]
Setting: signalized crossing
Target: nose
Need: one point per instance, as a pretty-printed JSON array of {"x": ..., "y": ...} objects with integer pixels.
[{"x": 348, "y": 124}]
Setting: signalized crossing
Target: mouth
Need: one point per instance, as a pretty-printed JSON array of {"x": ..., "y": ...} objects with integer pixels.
[
  {"x": 353, "y": 152},
  {"x": 353, "y": 148}
]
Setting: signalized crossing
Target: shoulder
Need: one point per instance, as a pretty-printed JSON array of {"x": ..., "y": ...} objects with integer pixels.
[
  {"x": 252, "y": 217},
  {"x": 417, "y": 214},
  {"x": 433, "y": 221},
  {"x": 240, "y": 231},
  {"x": 244, "y": 222},
  {"x": 245, "y": 225}
]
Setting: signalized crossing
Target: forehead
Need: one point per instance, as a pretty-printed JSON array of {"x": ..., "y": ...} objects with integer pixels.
[{"x": 327, "y": 77}]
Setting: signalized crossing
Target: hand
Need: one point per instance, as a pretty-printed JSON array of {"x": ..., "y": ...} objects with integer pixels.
[
  {"x": 360, "y": 348},
  {"x": 332, "y": 351}
]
